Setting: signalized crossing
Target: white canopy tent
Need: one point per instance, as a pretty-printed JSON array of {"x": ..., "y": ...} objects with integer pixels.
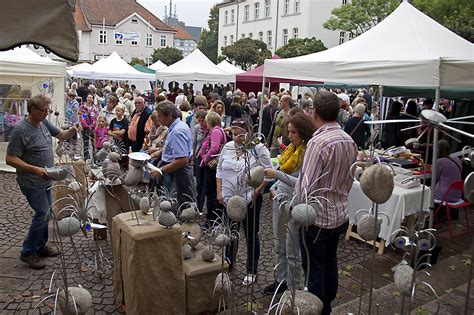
[
  {"x": 195, "y": 67},
  {"x": 112, "y": 67},
  {"x": 408, "y": 48},
  {"x": 29, "y": 71},
  {"x": 227, "y": 67},
  {"x": 157, "y": 65},
  {"x": 79, "y": 67}
]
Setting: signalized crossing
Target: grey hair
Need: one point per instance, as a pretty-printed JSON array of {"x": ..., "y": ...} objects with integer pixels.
[
  {"x": 37, "y": 101},
  {"x": 274, "y": 100},
  {"x": 167, "y": 108}
]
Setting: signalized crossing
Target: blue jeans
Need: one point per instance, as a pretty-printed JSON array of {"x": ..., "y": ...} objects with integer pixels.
[
  {"x": 322, "y": 274},
  {"x": 40, "y": 201}
]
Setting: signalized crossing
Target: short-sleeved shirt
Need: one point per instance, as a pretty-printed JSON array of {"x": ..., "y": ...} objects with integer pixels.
[
  {"x": 179, "y": 142},
  {"x": 33, "y": 145}
]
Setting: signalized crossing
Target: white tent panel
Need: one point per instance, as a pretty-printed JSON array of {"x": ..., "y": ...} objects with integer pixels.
[
  {"x": 195, "y": 67},
  {"x": 79, "y": 67},
  {"x": 227, "y": 67},
  {"x": 30, "y": 71},
  {"x": 407, "y": 48},
  {"x": 157, "y": 65},
  {"x": 113, "y": 67}
]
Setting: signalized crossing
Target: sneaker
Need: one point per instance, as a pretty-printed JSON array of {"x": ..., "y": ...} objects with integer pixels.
[
  {"x": 271, "y": 288},
  {"x": 33, "y": 261},
  {"x": 249, "y": 279},
  {"x": 48, "y": 252}
]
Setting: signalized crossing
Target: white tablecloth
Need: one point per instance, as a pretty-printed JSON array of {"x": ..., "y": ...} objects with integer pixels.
[{"x": 401, "y": 204}]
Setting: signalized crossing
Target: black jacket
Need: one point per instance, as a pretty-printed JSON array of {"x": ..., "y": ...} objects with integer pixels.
[{"x": 138, "y": 144}]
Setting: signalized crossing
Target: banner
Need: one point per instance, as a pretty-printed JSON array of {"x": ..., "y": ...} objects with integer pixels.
[{"x": 130, "y": 36}]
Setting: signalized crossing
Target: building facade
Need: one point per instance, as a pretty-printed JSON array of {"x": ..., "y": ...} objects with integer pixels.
[
  {"x": 184, "y": 41},
  {"x": 276, "y": 21},
  {"x": 124, "y": 26}
]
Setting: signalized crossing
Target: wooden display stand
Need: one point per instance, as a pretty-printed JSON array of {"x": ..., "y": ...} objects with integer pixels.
[
  {"x": 200, "y": 279},
  {"x": 148, "y": 266},
  {"x": 380, "y": 245}
]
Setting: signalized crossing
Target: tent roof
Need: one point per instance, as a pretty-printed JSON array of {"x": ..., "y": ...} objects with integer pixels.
[
  {"x": 82, "y": 66},
  {"x": 46, "y": 23},
  {"x": 25, "y": 62},
  {"x": 256, "y": 76},
  {"x": 143, "y": 69},
  {"x": 407, "y": 48},
  {"x": 195, "y": 67},
  {"x": 158, "y": 65},
  {"x": 113, "y": 67},
  {"x": 227, "y": 67}
]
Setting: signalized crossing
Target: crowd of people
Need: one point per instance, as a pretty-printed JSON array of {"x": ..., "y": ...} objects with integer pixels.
[{"x": 197, "y": 141}]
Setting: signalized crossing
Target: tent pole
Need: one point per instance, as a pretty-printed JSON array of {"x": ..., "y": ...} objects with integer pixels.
[
  {"x": 260, "y": 114},
  {"x": 435, "y": 156}
]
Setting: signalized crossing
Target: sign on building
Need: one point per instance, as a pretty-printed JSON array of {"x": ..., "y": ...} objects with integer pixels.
[{"x": 129, "y": 36}]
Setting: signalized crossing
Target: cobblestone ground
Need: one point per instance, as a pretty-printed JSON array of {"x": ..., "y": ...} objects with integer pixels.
[{"x": 21, "y": 288}]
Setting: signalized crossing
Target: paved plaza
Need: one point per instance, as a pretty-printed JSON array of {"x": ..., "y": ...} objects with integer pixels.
[{"x": 22, "y": 288}]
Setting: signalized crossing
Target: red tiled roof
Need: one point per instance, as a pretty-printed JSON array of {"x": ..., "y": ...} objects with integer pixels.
[
  {"x": 114, "y": 11},
  {"x": 81, "y": 23},
  {"x": 181, "y": 33}
]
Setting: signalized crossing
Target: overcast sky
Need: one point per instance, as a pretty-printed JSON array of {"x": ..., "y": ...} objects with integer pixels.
[{"x": 191, "y": 12}]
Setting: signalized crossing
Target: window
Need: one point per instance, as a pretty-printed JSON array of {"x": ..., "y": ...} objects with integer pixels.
[
  {"x": 251, "y": 35},
  {"x": 134, "y": 21},
  {"x": 232, "y": 39},
  {"x": 242, "y": 36},
  {"x": 285, "y": 36},
  {"x": 148, "y": 61},
  {"x": 149, "y": 40},
  {"x": 269, "y": 38},
  {"x": 260, "y": 36},
  {"x": 344, "y": 2},
  {"x": 102, "y": 37},
  {"x": 134, "y": 43},
  {"x": 225, "y": 41},
  {"x": 268, "y": 6},
  {"x": 297, "y": 6},
  {"x": 163, "y": 40},
  {"x": 286, "y": 7},
  {"x": 257, "y": 11},
  {"x": 342, "y": 35},
  {"x": 181, "y": 43},
  {"x": 226, "y": 17},
  {"x": 118, "y": 38},
  {"x": 246, "y": 13},
  {"x": 232, "y": 15},
  {"x": 351, "y": 36},
  {"x": 295, "y": 32}
]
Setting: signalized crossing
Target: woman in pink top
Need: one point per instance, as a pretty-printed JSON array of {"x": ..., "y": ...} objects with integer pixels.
[
  {"x": 211, "y": 147},
  {"x": 88, "y": 117}
]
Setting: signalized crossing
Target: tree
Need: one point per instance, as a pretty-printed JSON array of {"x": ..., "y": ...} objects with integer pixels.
[
  {"x": 135, "y": 61},
  {"x": 359, "y": 16},
  {"x": 167, "y": 55},
  {"x": 300, "y": 47},
  {"x": 247, "y": 52},
  {"x": 208, "y": 40},
  {"x": 453, "y": 14}
]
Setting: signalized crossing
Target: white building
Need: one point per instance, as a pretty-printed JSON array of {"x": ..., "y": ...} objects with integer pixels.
[
  {"x": 276, "y": 21},
  {"x": 124, "y": 26},
  {"x": 184, "y": 41}
]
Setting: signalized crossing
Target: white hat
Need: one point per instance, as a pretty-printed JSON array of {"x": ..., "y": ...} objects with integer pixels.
[{"x": 344, "y": 97}]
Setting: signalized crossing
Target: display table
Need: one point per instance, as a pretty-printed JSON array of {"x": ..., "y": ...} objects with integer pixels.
[
  {"x": 148, "y": 274},
  {"x": 402, "y": 203},
  {"x": 200, "y": 279}
]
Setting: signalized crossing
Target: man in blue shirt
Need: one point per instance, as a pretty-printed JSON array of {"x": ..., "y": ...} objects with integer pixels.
[{"x": 176, "y": 152}]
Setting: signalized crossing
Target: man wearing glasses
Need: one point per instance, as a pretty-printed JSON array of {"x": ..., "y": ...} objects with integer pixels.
[{"x": 30, "y": 151}]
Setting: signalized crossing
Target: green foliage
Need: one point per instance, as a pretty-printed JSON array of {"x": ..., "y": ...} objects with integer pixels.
[
  {"x": 358, "y": 16},
  {"x": 208, "y": 40},
  {"x": 247, "y": 52},
  {"x": 167, "y": 55},
  {"x": 135, "y": 61},
  {"x": 300, "y": 47},
  {"x": 453, "y": 14}
]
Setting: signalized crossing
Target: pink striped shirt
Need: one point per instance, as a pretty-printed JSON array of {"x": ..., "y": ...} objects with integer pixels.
[{"x": 325, "y": 173}]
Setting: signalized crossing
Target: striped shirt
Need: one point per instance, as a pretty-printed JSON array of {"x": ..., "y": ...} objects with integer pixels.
[{"x": 325, "y": 174}]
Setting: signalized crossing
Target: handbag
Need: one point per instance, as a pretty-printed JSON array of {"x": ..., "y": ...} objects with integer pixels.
[{"x": 213, "y": 161}]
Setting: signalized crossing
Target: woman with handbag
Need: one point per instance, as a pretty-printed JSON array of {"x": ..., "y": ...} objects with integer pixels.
[
  {"x": 234, "y": 163},
  {"x": 211, "y": 147}
]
